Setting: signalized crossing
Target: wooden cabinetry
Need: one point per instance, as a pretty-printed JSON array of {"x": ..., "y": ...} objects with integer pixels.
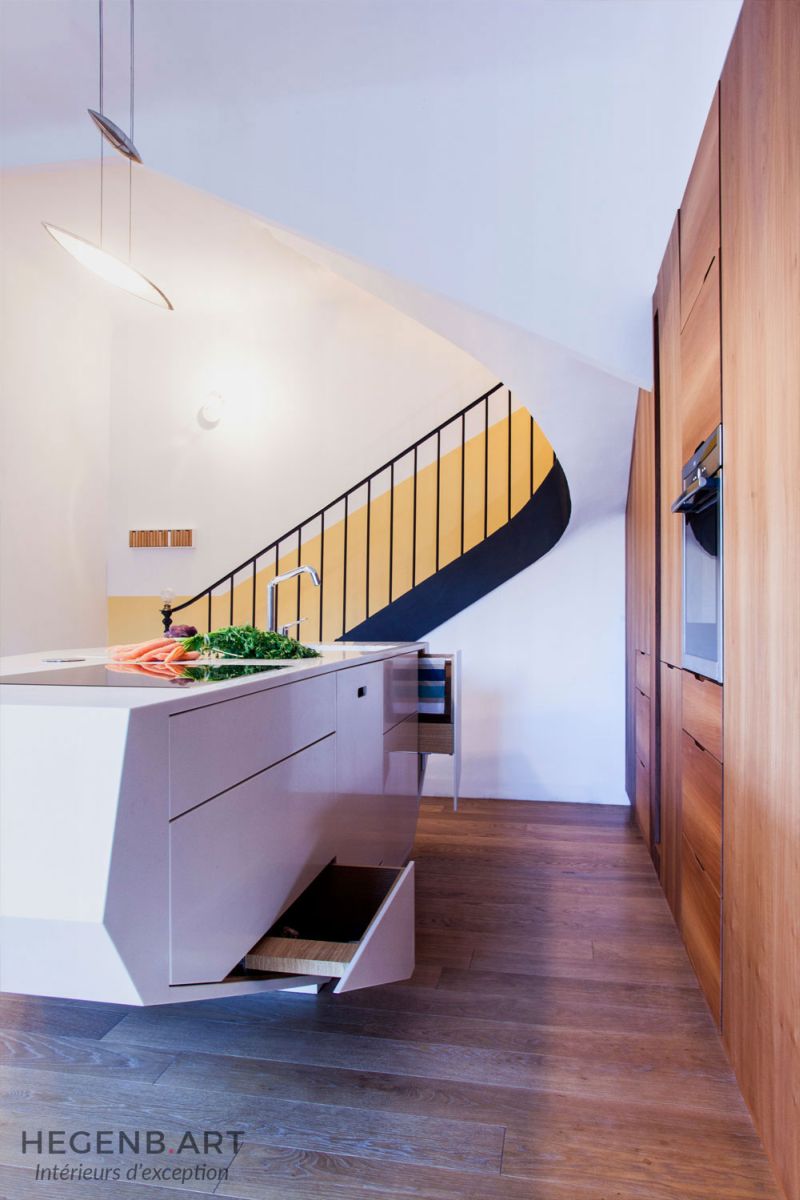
[
  {"x": 702, "y": 711},
  {"x": 700, "y": 214},
  {"x": 760, "y": 173},
  {"x": 667, "y": 311},
  {"x": 701, "y": 378},
  {"x": 670, "y": 784},
  {"x": 640, "y": 551},
  {"x": 700, "y": 922}
]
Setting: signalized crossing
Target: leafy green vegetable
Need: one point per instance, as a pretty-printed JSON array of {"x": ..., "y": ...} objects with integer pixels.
[{"x": 245, "y": 641}]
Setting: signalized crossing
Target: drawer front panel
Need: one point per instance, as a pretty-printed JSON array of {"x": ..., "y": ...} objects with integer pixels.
[
  {"x": 215, "y": 747},
  {"x": 400, "y": 792},
  {"x": 239, "y": 860},
  {"x": 702, "y": 712},
  {"x": 400, "y": 689},
  {"x": 324, "y": 920},
  {"x": 643, "y": 672},
  {"x": 643, "y": 800},
  {"x": 701, "y": 807},
  {"x": 642, "y": 729},
  {"x": 700, "y": 925}
]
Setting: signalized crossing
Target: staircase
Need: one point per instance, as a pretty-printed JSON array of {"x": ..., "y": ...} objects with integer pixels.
[{"x": 444, "y": 522}]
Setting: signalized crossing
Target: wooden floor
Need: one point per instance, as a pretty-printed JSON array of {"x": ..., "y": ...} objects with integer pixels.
[{"x": 553, "y": 1045}]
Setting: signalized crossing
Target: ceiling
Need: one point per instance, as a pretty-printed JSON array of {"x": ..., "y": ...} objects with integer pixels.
[{"x": 522, "y": 157}]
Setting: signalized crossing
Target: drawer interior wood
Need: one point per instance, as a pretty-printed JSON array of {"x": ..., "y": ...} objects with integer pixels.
[
  {"x": 701, "y": 704},
  {"x": 321, "y": 932}
]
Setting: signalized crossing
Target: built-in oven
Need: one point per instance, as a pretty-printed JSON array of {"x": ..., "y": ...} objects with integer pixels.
[{"x": 700, "y": 504}]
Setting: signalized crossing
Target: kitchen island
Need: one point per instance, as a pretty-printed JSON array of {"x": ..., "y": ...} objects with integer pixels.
[{"x": 166, "y": 841}]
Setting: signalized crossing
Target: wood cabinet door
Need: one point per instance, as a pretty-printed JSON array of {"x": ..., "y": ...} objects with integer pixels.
[
  {"x": 701, "y": 368},
  {"x": 670, "y": 781},
  {"x": 701, "y": 807},
  {"x": 700, "y": 214},
  {"x": 700, "y": 925},
  {"x": 668, "y": 312}
]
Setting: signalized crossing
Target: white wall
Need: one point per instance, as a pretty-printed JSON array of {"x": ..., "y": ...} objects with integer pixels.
[
  {"x": 543, "y": 662},
  {"x": 322, "y": 382},
  {"x": 55, "y": 331}
]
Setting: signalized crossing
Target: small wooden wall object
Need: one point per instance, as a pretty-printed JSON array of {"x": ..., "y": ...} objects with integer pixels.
[{"x": 154, "y": 539}]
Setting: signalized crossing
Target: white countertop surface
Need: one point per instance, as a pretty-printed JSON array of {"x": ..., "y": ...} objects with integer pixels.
[{"x": 130, "y": 696}]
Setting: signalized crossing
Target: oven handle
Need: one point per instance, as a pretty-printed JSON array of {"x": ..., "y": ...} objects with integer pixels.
[{"x": 698, "y": 494}]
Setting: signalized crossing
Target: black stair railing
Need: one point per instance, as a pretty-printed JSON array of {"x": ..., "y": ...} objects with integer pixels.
[{"x": 318, "y": 523}]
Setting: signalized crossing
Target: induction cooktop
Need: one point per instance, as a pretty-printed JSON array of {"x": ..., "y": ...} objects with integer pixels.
[{"x": 140, "y": 675}]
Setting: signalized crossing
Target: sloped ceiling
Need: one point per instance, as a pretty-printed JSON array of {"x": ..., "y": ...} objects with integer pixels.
[{"x": 523, "y": 158}]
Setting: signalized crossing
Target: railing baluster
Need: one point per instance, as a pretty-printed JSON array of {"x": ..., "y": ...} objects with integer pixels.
[
  {"x": 369, "y": 530},
  {"x": 321, "y": 569},
  {"x": 438, "y": 489},
  {"x": 254, "y": 591},
  {"x": 463, "y": 470},
  {"x": 509, "y": 454},
  {"x": 391, "y": 529},
  {"x": 486, "y": 468},
  {"x": 276, "y": 545},
  {"x": 344, "y": 565},
  {"x": 414, "y": 526},
  {"x": 299, "y": 563},
  {"x": 231, "y": 620},
  {"x": 532, "y": 425}
]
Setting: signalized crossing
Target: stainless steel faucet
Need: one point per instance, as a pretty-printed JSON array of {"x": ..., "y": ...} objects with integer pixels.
[{"x": 272, "y": 592}]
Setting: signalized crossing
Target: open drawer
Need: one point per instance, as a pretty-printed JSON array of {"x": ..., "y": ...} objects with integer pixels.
[{"x": 355, "y": 924}]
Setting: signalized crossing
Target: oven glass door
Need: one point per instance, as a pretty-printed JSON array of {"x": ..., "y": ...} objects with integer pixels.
[{"x": 702, "y": 588}]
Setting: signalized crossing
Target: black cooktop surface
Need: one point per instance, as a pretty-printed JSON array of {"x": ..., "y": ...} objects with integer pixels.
[{"x": 143, "y": 675}]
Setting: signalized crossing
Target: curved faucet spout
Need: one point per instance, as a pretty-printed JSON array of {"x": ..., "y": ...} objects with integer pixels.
[{"x": 272, "y": 592}]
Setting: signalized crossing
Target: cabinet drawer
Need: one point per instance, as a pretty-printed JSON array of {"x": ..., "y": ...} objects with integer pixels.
[
  {"x": 701, "y": 807},
  {"x": 700, "y": 925},
  {"x": 400, "y": 688},
  {"x": 237, "y": 861},
  {"x": 701, "y": 703},
  {"x": 642, "y": 728},
  {"x": 643, "y": 800},
  {"x": 215, "y": 747},
  {"x": 355, "y": 924},
  {"x": 400, "y": 792},
  {"x": 643, "y": 672},
  {"x": 701, "y": 367},
  {"x": 699, "y": 219}
]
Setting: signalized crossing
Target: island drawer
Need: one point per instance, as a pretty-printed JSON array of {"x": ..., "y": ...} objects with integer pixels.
[
  {"x": 354, "y": 924},
  {"x": 217, "y": 746},
  {"x": 400, "y": 689},
  {"x": 238, "y": 860}
]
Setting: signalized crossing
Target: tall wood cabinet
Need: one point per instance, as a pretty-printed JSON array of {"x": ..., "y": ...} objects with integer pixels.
[
  {"x": 717, "y": 800},
  {"x": 760, "y": 173}
]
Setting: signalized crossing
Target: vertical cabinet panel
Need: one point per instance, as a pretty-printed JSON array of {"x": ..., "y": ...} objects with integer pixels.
[
  {"x": 670, "y": 785},
  {"x": 701, "y": 378},
  {"x": 668, "y": 308},
  {"x": 700, "y": 214},
  {"x": 760, "y": 138}
]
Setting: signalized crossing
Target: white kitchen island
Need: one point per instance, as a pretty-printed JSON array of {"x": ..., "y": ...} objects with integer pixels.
[{"x": 151, "y": 836}]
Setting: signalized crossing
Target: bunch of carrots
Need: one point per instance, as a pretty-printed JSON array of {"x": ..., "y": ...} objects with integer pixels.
[{"x": 156, "y": 654}]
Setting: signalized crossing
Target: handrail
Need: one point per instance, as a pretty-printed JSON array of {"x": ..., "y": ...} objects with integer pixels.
[{"x": 296, "y": 531}]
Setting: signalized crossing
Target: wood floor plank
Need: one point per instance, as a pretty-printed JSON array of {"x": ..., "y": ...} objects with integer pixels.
[
  {"x": 552, "y": 1045},
  {"x": 20, "y": 1183},
  {"x": 48, "y": 1097},
  {"x": 82, "y": 1055}
]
